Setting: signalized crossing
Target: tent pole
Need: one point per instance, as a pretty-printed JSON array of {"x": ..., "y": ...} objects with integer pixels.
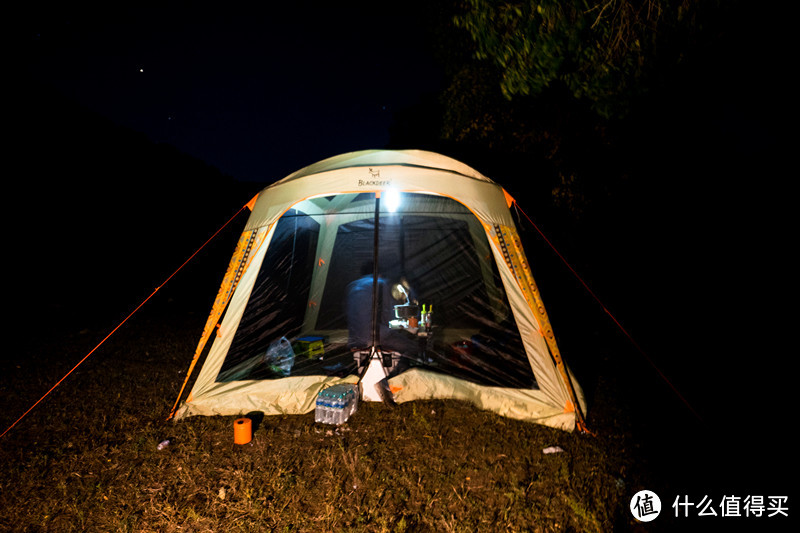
[{"x": 375, "y": 293}]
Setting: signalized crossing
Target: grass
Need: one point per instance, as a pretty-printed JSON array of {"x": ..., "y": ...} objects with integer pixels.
[{"x": 86, "y": 459}]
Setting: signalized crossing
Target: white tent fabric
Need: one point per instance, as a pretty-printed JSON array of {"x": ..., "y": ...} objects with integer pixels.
[{"x": 334, "y": 198}]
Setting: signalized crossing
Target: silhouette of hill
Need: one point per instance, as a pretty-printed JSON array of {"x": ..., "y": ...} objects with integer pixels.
[{"x": 100, "y": 214}]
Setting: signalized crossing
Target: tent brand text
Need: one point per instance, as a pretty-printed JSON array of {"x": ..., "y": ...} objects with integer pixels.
[{"x": 374, "y": 183}]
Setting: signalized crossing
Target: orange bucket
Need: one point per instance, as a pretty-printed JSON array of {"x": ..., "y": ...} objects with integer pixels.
[{"x": 242, "y": 430}]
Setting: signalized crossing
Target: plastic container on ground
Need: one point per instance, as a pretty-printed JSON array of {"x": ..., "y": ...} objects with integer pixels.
[{"x": 336, "y": 404}]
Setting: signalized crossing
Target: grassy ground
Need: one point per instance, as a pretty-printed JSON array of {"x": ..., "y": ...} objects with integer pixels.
[{"x": 87, "y": 459}]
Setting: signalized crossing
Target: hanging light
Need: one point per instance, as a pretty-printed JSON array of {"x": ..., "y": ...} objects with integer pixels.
[{"x": 391, "y": 197}]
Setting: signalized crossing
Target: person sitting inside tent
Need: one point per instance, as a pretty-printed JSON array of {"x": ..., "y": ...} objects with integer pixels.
[{"x": 359, "y": 316}]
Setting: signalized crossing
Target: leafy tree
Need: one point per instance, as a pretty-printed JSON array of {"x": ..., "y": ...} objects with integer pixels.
[
  {"x": 560, "y": 80},
  {"x": 604, "y": 52},
  {"x": 585, "y": 91}
]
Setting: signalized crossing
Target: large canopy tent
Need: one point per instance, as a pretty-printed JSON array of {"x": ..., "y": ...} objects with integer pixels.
[{"x": 337, "y": 270}]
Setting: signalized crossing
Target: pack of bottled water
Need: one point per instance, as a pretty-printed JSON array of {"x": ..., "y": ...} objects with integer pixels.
[{"x": 336, "y": 403}]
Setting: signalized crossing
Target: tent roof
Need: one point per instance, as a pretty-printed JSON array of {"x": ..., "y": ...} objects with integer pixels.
[
  {"x": 366, "y": 158},
  {"x": 377, "y": 170}
]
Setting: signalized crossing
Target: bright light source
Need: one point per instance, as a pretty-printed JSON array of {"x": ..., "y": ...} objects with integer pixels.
[
  {"x": 400, "y": 290},
  {"x": 392, "y": 199}
]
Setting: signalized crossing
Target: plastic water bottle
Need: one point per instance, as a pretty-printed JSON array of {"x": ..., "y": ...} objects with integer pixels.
[
  {"x": 345, "y": 406},
  {"x": 337, "y": 412},
  {"x": 326, "y": 413},
  {"x": 322, "y": 408},
  {"x": 341, "y": 402},
  {"x": 353, "y": 402},
  {"x": 329, "y": 407}
]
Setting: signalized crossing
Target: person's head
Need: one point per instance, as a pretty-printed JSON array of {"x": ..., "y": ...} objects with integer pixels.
[{"x": 367, "y": 267}]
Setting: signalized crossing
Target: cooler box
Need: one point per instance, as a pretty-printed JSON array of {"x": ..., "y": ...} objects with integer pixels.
[{"x": 309, "y": 347}]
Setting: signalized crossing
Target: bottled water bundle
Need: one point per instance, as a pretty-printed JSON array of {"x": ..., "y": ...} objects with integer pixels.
[{"x": 335, "y": 404}]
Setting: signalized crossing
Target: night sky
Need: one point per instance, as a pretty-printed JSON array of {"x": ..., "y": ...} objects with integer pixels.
[
  {"x": 255, "y": 90},
  {"x": 130, "y": 120}
]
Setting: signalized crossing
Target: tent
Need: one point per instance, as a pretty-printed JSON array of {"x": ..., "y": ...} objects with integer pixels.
[{"x": 401, "y": 271}]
